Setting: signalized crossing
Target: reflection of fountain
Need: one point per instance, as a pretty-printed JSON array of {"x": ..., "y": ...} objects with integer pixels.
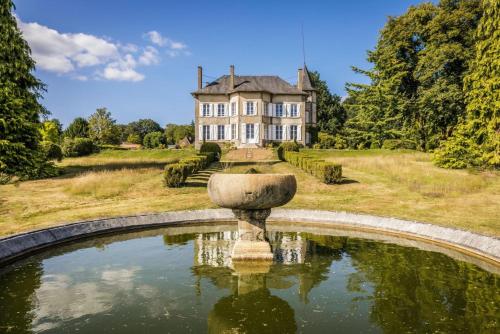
[{"x": 251, "y": 197}]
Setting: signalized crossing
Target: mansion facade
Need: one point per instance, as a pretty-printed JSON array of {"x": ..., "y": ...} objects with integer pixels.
[{"x": 253, "y": 111}]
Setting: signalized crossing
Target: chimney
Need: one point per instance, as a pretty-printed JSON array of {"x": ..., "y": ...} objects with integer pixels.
[
  {"x": 200, "y": 77},
  {"x": 231, "y": 77},
  {"x": 300, "y": 79}
]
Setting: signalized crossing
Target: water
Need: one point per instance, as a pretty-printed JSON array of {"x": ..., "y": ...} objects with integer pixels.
[{"x": 171, "y": 281}]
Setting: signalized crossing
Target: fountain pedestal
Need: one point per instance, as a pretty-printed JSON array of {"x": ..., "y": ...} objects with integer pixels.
[{"x": 251, "y": 197}]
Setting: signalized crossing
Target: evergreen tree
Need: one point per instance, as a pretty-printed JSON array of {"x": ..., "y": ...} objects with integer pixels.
[
  {"x": 476, "y": 142},
  {"x": 79, "y": 128},
  {"x": 331, "y": 113},
  {"x": 20, "y": 111}
]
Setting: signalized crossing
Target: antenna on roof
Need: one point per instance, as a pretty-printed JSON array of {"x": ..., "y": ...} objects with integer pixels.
[{"x": 303, "y": 44}]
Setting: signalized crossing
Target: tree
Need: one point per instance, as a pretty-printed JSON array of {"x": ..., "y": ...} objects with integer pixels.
[
  {"x": 331, "y": 113},
  {"x": 142, "y": 127},
  {"x": 50, "y": 132},
  {"x": 154, "y": 139},
  {"x": 102, "y": 128},
  {"x": 419, "y": 65},
  {"x": 174, "y": 133},
  {"x": 79, "y": 128},
  {"x": 476, "y": 142},
  {"x": 20, "y": 112}
]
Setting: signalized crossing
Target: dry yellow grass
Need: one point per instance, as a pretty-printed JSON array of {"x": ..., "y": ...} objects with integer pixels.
[{"x": 396, "y": 184}]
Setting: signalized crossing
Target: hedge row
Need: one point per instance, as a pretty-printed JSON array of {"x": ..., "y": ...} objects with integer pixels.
[
  {"x": 176, "y": 174},
  {"x": 327, "y": 172}
]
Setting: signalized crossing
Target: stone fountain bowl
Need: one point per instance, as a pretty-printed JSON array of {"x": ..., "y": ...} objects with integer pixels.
[{"x": 251, "y": 191}]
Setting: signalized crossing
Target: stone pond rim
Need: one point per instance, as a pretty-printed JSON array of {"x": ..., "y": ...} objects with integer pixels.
[{"x": 251, "y": 191}]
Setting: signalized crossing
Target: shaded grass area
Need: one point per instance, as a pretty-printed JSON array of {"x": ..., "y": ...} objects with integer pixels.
[{"x": 401, "y": 184}]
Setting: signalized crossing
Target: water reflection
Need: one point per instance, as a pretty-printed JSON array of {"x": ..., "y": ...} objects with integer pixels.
[{"x": 172, "y": 281}]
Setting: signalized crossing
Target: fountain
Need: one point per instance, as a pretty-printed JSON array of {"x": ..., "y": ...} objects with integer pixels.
[{"x": 251, "y": 197}]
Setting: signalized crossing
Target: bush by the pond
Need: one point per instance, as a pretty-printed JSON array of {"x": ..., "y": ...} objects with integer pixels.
[
  {"x": 52, "y": 151},
  {"x": 211, "y": 147},
  {"x": 176, "y": 173},
  {"x": 78, "y": 147},
  {"x": 327, "y": 172},
  {"x": 291, "y": 146}
]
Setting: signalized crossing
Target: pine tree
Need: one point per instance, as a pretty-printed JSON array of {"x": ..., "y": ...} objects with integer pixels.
[
  {"x": 476, "y": 142},
  {"x": 20, "y": 111}
]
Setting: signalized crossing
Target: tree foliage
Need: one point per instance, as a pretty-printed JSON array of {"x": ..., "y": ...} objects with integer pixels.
[
  {"x": 174, "y": 132},
  {"x": 331, "y": 113},
  {"x": 103, "y": 128},
  {"x": 49, "y": 131},
  {"x": 419, "y": 64},
  {"x": 141, "y": 128},
  {"x": 476, "y": 142},
  {"x": 79, "y": 128},
  {"x": 20, "y": 90}
]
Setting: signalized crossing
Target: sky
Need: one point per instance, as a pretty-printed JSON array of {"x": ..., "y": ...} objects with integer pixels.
[{"x": 139, "y": 58}]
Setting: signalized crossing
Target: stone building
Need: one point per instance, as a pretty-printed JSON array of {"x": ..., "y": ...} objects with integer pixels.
[{"x": 253, "y": 111}]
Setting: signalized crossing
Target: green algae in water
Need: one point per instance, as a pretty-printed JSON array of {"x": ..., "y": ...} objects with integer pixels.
[{"x": 158, "y": 282}]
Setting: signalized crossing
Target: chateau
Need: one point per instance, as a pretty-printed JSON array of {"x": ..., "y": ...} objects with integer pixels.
[{"x": 253, "y": 111}]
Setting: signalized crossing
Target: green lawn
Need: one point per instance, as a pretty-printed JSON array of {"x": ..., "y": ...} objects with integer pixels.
[{"x": 387, "y": 183}]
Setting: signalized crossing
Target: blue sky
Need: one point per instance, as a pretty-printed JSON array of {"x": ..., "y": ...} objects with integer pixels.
[{"x": 139, "y": 58}]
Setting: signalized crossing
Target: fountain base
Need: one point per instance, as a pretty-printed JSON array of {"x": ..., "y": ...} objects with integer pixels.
[{"x": 252, "y": 243}]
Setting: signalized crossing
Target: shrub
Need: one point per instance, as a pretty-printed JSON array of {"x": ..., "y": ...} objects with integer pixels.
[
  {"x": 326, "y": 140},
  {"x": 327, "y": 172},
  {"x": 316, "y": 146},
  {"x": 340, "y": 143},
  {"x": 77, "y": 147},
  {"x": 374, "y": 145},
  {"x": 395, "y": 144},
  {"x": 154, "y": 139},
  {"x": 210, "y": 157},
  {"x": 287, "y": 146},
  {"x": 211, "y": 147},
  {"x": 174, "y": 175},
  {"x": 134, "y": 138},
  {"x": 52, "y": 151}
]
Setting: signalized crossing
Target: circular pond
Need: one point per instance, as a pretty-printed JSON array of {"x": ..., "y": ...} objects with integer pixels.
[{"x": 182, "y": 279}]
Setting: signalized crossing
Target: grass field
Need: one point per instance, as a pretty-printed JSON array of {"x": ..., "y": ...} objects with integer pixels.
[{"x": 387, "y": 183}]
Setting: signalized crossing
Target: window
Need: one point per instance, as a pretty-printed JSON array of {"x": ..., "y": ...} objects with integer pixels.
[
  {"x": 293, "y": 132},
  {"x": 279, "y": 109},
  {"x": 220, "y": 132},
  {"x": 206, "y": 132},
  {"x": 233, "y": 131},
  {"x": 220, "y": 109},
  {"x": 206, "y": 109},
  {"x": 266, "y": 109},
  {"x": 233, "y": 108},
  {"x": 293, "y": 110},
  {"x": 250, "y": 108},
  {"x": 279, "y": 132},
  {"x": 250, "y": 131}
]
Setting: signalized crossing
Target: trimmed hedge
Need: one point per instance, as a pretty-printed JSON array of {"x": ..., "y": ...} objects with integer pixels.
[
  {"x": 175, "y": 174},
  {"x": 211, "y": 147},
  {"x": 292, "y": 146},
  {"x": 327, "y": 172}
]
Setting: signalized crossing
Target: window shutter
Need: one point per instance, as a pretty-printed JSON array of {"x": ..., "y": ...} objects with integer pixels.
[
  {"x": 298, "y": 109},
  {"x": 213, "y": 129},
  {"x": 226, "y": 109},
  {"x": 227, "y": 129},
  {"x": 244, "y": 107},
  {"x": 273, "y": 109},
  {"x": 255, "y": 108},
  {"x": 237, "y": 127},
  {"x": 200, "y": 106},
  {"x": 285, "y": 132},
  {"x": 287, "y": 106},
  {"x": 299, "y": 132},
  {"x": 243, "y": 133},
  {"x": 200, "y": 133},
  {"x": 273, "y": 132},
  {"x": 257, "y": 132}
]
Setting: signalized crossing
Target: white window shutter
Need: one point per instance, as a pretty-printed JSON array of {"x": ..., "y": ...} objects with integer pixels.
[
  {"x": 273, "y": 110},
  {"x": 237, "y": 130},
  {"x": 298, "y": 109},
  {"x": 287, "y": 106},
  {"x": 237, "y": 106},
  {"x": 200, "y": 105},
  {"x": 213, "y": 133},
  {"x": 227, "y": 129},
  {"x": 243, "y": 133},
  {"x": 200, "y": 133},
  {"x": 257, "y": 131},
  {"x": 273, "y": 132},
  {"x": 299, "y": 132},
  {"x": 244, "y": 107},
  {"x": 255, "y": 107},
  {"x": 285, "y": 132},
  {"x": 226, "y": 109}
]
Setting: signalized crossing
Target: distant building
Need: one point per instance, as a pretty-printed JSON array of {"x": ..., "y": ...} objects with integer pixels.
[{"x": 253, "y": 111}]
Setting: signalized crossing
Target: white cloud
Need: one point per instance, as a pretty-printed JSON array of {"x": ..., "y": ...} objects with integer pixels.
[
  {"x": 74, "y": 54},
  {"x": 149, "y": 56}
]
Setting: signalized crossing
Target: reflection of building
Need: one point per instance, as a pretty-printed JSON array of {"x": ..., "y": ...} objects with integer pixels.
[{"x": 214, "y": 249}]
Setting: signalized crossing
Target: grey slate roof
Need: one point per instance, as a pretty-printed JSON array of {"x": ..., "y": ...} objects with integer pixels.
[
  {"x": 250, "y": 83},
  {"x": 306, "y": 84}
]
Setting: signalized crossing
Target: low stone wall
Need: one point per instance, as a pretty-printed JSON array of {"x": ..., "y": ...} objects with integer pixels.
[{"x": 23, "y": 244}]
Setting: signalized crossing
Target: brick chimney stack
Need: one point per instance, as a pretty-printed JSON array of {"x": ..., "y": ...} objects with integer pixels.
[
  {"x": 300, "y": 79},
  {"x": 200, "y": 77},
  {"x": 231, "y": 76}
]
